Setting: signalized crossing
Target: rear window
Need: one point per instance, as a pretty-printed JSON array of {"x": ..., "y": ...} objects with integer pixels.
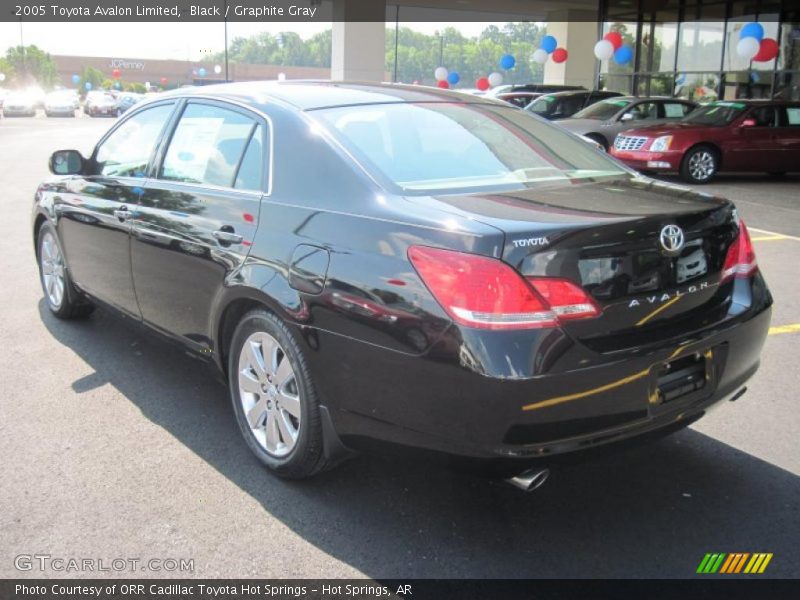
[{"x": 460, "y": 147}]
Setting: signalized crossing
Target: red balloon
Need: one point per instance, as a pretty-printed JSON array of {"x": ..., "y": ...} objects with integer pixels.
[
  {"x": 163, "y": 80},
  {"x": 615, "y": 38},
  {"x": 482, "y": 84},
  {"x": 443, "y": 84},
  {"x": 767, "y": 50},
  {"x": 560, "y": 55},
  {"x": 116, "y": 73}
]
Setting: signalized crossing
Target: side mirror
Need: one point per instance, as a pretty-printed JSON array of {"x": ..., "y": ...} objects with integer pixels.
[
  {"x": 748, "y": 123},
  {"x": 626, "y": 117},
  {"x": 66, "y": 162}
]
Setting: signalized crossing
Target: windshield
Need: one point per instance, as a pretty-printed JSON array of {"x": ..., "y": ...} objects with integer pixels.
[
  {"x": 716, "y": 114},
  {"x": 602, "y": 111},
  {"x": 461, "y": 147}
]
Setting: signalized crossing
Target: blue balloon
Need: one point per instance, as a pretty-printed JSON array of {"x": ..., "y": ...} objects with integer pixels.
[
  {"x": 623, "y": 55},
  {"x": 752, "y": 30},
  {"x": 680, "y": 79},
  {"x": 201, "y": 71},
  {"x": 453, "y": 78},
  {"x": 88, "y": 85},
  {"x": 507, "y": 62},
  {"x": 76, "y": 79},
  {"x": 548, "y": 44}
]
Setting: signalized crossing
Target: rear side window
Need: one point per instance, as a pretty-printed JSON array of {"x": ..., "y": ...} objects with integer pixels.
[
  {"x": 251, "y": 169},
  {"x": 793, "y": 116},
  {"x": 676, "y": 110},
  {"x": 207, "y": 146},
  {"x": 126, "y": 152}
]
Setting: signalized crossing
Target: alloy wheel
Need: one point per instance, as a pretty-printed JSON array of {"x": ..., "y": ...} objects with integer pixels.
[
  {"x": 269, "y": 394},
  {"x": 52, "y": 270},
  {"x": 702, "y": 165}
]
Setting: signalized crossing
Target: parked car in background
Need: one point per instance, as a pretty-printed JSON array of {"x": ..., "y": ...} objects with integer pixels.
[
  {"x": 60, "y": 103},
  {"x": 518, "y": 99},
  {"x": 562, "y": 105},
  {"x": 737, "y": 135},
  {"x": 603, "y": 120},
  {"x": 127, "y": 99},
  {"x": 19, "y": 104},
  {"x": 538, "y": 88},
  {"x": 100, "y": 104},
  {"x": 456, "y": 276}
]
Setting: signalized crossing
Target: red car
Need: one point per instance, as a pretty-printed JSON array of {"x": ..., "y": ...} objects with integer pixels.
[{"x": 738, "y": 135}]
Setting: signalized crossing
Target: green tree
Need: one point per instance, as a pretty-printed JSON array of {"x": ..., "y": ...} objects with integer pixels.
[
  {"x": 30, "y": 65},
  {"x": 93, "y": 76}
]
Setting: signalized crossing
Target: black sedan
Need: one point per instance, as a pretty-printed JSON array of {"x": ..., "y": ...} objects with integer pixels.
[{"x": 385, "y": 263}]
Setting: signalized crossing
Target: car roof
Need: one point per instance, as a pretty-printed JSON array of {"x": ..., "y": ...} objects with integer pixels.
[{"x": 311, "y": 95}]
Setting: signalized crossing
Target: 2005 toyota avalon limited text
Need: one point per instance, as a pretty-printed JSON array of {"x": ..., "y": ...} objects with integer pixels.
[{"x": 385, "y": 263}]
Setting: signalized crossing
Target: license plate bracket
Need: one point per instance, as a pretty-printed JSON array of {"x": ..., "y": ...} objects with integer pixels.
[{"x": 681, "y": 377}]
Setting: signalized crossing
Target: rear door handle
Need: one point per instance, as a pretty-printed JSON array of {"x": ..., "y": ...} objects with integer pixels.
[{"x": 227, "y": 237}]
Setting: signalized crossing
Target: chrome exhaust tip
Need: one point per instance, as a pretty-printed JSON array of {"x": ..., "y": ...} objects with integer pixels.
[{"x": 529, "y": 480}]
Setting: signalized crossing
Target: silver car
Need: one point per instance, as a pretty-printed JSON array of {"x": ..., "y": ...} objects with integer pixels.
[{"x": 603, "y": 120}]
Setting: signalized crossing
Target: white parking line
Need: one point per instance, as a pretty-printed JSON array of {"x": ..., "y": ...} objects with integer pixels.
[{"x": 782, "y": 235}]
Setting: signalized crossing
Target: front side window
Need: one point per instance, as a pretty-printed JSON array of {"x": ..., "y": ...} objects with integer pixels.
[
  {"x": 716, "y": 114},
  {"x": 126, "y": 152},
  {"x": 764, "y": 116},
  {"x": 643, "y": 111},
  {"x": 207, "y": 146},
  {"x": 450, "y": 147},
  {"x": 793, "y": 116}
]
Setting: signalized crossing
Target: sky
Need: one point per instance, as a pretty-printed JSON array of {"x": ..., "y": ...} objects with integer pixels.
[{"x": 180, "y": 41}]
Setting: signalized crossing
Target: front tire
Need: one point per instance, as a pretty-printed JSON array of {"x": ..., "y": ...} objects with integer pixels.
[
  {"x": 700, "y": 165},
  {"x": 274, "y": 398},
  {"x": 62, "y": 298}
]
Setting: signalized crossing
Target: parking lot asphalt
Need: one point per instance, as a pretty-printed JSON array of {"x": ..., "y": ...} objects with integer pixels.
[{"x": 115, "y": 445}]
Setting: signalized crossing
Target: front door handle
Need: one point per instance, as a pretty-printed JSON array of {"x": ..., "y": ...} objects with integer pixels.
[
  {"x": 122, "y": 213},
  {"x": 227, "y": 237}
]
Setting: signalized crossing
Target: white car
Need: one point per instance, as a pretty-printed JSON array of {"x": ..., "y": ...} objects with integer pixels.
[
  {"x": 19, "y": 104},
  {"x": 60, "y": 103}
]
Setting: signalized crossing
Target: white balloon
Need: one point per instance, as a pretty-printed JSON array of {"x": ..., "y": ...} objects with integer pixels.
[
  {"x": 281, "y": 76},
  {"x": 747, "y": 47},
  {"x": 604, "y": 50},
  {"x": 495, "y": 79},
  {"x": 217, "y": 69},
  {"x": 440, "y": 73},
  {"x": 540, "y": 56}
]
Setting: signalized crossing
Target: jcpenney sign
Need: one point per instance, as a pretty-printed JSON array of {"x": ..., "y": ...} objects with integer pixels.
[{"x": 121, "y": 63}]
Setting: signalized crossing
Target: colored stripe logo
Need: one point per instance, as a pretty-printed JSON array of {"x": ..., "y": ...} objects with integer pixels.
[{"x": 735, "y": 562}]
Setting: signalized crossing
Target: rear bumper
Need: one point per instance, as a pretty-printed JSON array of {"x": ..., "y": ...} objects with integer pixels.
[
  {"x": 454, "y": 400},
  {"x": 644, "y": 160}
]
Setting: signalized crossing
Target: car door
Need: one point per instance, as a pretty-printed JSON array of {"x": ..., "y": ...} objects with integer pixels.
[
  {"x": 94, "y": 216},
  {"x": 198, "y": 216},
  {"x": 757, "y": 149},
  {"x": 788, "y": 138},
  {"x": 638, "y": 114}
]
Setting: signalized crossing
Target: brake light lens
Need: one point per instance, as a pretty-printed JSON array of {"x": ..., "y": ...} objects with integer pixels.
[
  {"x": 740, "y": 262},
  {"x": 486, "y": 293}
]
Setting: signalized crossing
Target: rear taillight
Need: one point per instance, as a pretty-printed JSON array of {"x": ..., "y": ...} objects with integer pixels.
[
  {"x": 740, "y": 262},
  {"x": 486, "y": 293}
]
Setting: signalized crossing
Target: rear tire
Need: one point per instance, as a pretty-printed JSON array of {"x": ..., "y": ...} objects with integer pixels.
[
  {"x": 274, "y": 398},
  {"x": 700, "y": 164},
  {"x": 62, "y": 298}
]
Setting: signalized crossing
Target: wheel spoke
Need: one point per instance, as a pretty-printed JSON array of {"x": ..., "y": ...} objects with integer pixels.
[
  {"x": 258, "y": 414},
  {"x": 290, "y": 403},
  {"x": 288, "y": 432},
  {"x": 283, "y": 373},
  {"x": 248, "y": 383},
  {"x": 273, "y": 437},
  {"x": 254, "y": 357},
  {"x": 270, "y": 349}
]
